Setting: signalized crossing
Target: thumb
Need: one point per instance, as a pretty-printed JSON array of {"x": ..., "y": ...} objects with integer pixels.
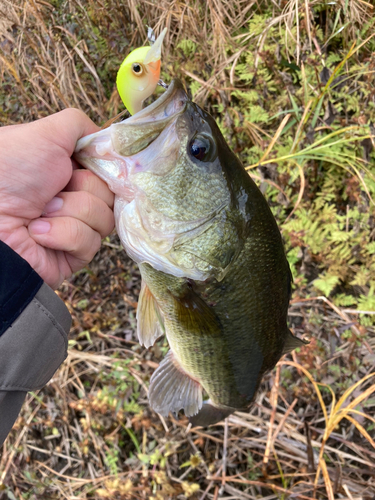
[{"x": 66, "y": 127}]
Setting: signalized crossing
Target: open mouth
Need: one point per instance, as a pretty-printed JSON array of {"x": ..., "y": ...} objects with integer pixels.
[
  {"x": 154, "y": 117},
  {"x": 171, "y": 102}
]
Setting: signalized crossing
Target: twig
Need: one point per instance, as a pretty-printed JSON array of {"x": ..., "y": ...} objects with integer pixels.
[
  {"x": 274, "y": 394},
  {"x": 275, "y": 137},
  {"x": 340, "y": 312},
  {"x": 225, "y": 451},
  {"x": 210, "y": 484},
  {"x": 216, "y": 494},
  {"x": 310, "y": 452},
  {"x": 16, "y": 444},
  {"x": 261, "y": 484}
]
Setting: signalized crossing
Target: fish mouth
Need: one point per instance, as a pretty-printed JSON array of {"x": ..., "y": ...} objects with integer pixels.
[
  {"x": 171, "y": 102},
  {"x": 117, "y": 152},
  {"x": 136, "y": 131}
]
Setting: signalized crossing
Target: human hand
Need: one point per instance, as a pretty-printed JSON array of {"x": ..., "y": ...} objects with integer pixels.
[{"x": 51, "y": 214}]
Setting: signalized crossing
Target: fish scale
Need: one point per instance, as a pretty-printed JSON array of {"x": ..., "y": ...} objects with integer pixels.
[{"x": 215, "y": 277}]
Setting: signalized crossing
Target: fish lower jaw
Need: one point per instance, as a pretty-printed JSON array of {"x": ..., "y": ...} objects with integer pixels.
[{"x": 152, "y": 247}]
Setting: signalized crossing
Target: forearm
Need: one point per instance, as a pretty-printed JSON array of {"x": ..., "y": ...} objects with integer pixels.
[{"x": 34, "y": 324}]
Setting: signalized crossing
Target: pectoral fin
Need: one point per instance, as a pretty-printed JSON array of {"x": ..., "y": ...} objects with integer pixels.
[
  {"x": 292, "y": 343},
  {"x": 171, "y": 389},
  {"x": 150, "y": 321},
  {"x": 196, "y": 316}
]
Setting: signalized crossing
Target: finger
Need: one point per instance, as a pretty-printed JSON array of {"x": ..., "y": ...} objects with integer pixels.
[
  {"x": 66, "y": 127},
  {"x": 84, "y": 180},
  {"x": 75, "y": 164},
  {"x": 69, "y": 235},
  {"x": 85, "y": 207}
]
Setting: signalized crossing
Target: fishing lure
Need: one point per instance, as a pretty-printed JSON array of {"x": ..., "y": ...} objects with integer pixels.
[{"x": 139, "y": 73}]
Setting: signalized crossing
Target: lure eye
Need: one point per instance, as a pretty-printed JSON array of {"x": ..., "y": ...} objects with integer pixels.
[
  {"x": 202, "y": 148},
  {"x": 137, "y": 69}
]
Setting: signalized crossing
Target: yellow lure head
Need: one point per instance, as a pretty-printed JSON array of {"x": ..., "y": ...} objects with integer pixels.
[{"x": 139, "y": 74}]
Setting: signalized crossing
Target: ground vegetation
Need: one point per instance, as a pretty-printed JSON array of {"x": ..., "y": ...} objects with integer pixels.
[{"x": 291, "y": 85}]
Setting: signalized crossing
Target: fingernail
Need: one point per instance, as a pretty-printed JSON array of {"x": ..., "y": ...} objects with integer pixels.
[
  {"x": 53, "y": 205},
  {"x": 39, "y": 226}
]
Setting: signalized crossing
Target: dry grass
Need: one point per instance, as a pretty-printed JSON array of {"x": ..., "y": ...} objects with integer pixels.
[
  {"x": 75, "y": 441},
  {"x": 90, "y": 433},
  {"x": 54, "y": 57}
]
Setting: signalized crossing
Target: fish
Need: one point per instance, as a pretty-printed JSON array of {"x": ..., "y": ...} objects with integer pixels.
[
  {"x": 215, "y": 278},
  {"x": 139, "y": 73}
]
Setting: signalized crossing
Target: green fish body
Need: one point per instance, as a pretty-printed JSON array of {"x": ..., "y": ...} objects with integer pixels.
[{"x": 215, "y": 278}]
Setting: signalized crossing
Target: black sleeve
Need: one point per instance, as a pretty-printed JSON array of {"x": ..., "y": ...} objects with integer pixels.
[{"x": 18, "y": 285}]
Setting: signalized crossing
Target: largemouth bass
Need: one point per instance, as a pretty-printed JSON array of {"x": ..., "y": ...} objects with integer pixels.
[{"x": 215, "y": 278}]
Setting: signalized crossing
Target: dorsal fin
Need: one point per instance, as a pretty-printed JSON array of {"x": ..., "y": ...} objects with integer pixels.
[
  {"x": 171, "y": 389},
  {"x": 150, "y": 321},
  {"x": 292, "y": 342}
]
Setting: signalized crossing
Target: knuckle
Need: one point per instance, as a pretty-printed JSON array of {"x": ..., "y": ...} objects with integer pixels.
[
  {"x": 87, "y": 206},
  {"x": 94, "y": 246},
  {"x": 110, "y": 225},
  {"x": 74, "y": 113},
  {"x": 83, "y": 240},
  {"x": 74, "y": 234},
  {"x": 84, "y": 180},
  {"x": 96, "y": 243}
]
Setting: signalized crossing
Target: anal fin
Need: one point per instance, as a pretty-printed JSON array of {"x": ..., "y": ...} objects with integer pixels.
[
  {"x": 150, "y": 321},
  {"x": 171, "y": 389}
]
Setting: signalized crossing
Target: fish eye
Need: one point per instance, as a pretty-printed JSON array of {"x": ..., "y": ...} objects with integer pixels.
[
  {"x": 202, "y": 148},
  {"x": 137, "y": 69}
]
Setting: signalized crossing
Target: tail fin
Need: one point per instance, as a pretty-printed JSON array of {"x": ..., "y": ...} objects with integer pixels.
[
  {"x": 209, "y": 414},
  {"x": 292, "y": 342}
]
